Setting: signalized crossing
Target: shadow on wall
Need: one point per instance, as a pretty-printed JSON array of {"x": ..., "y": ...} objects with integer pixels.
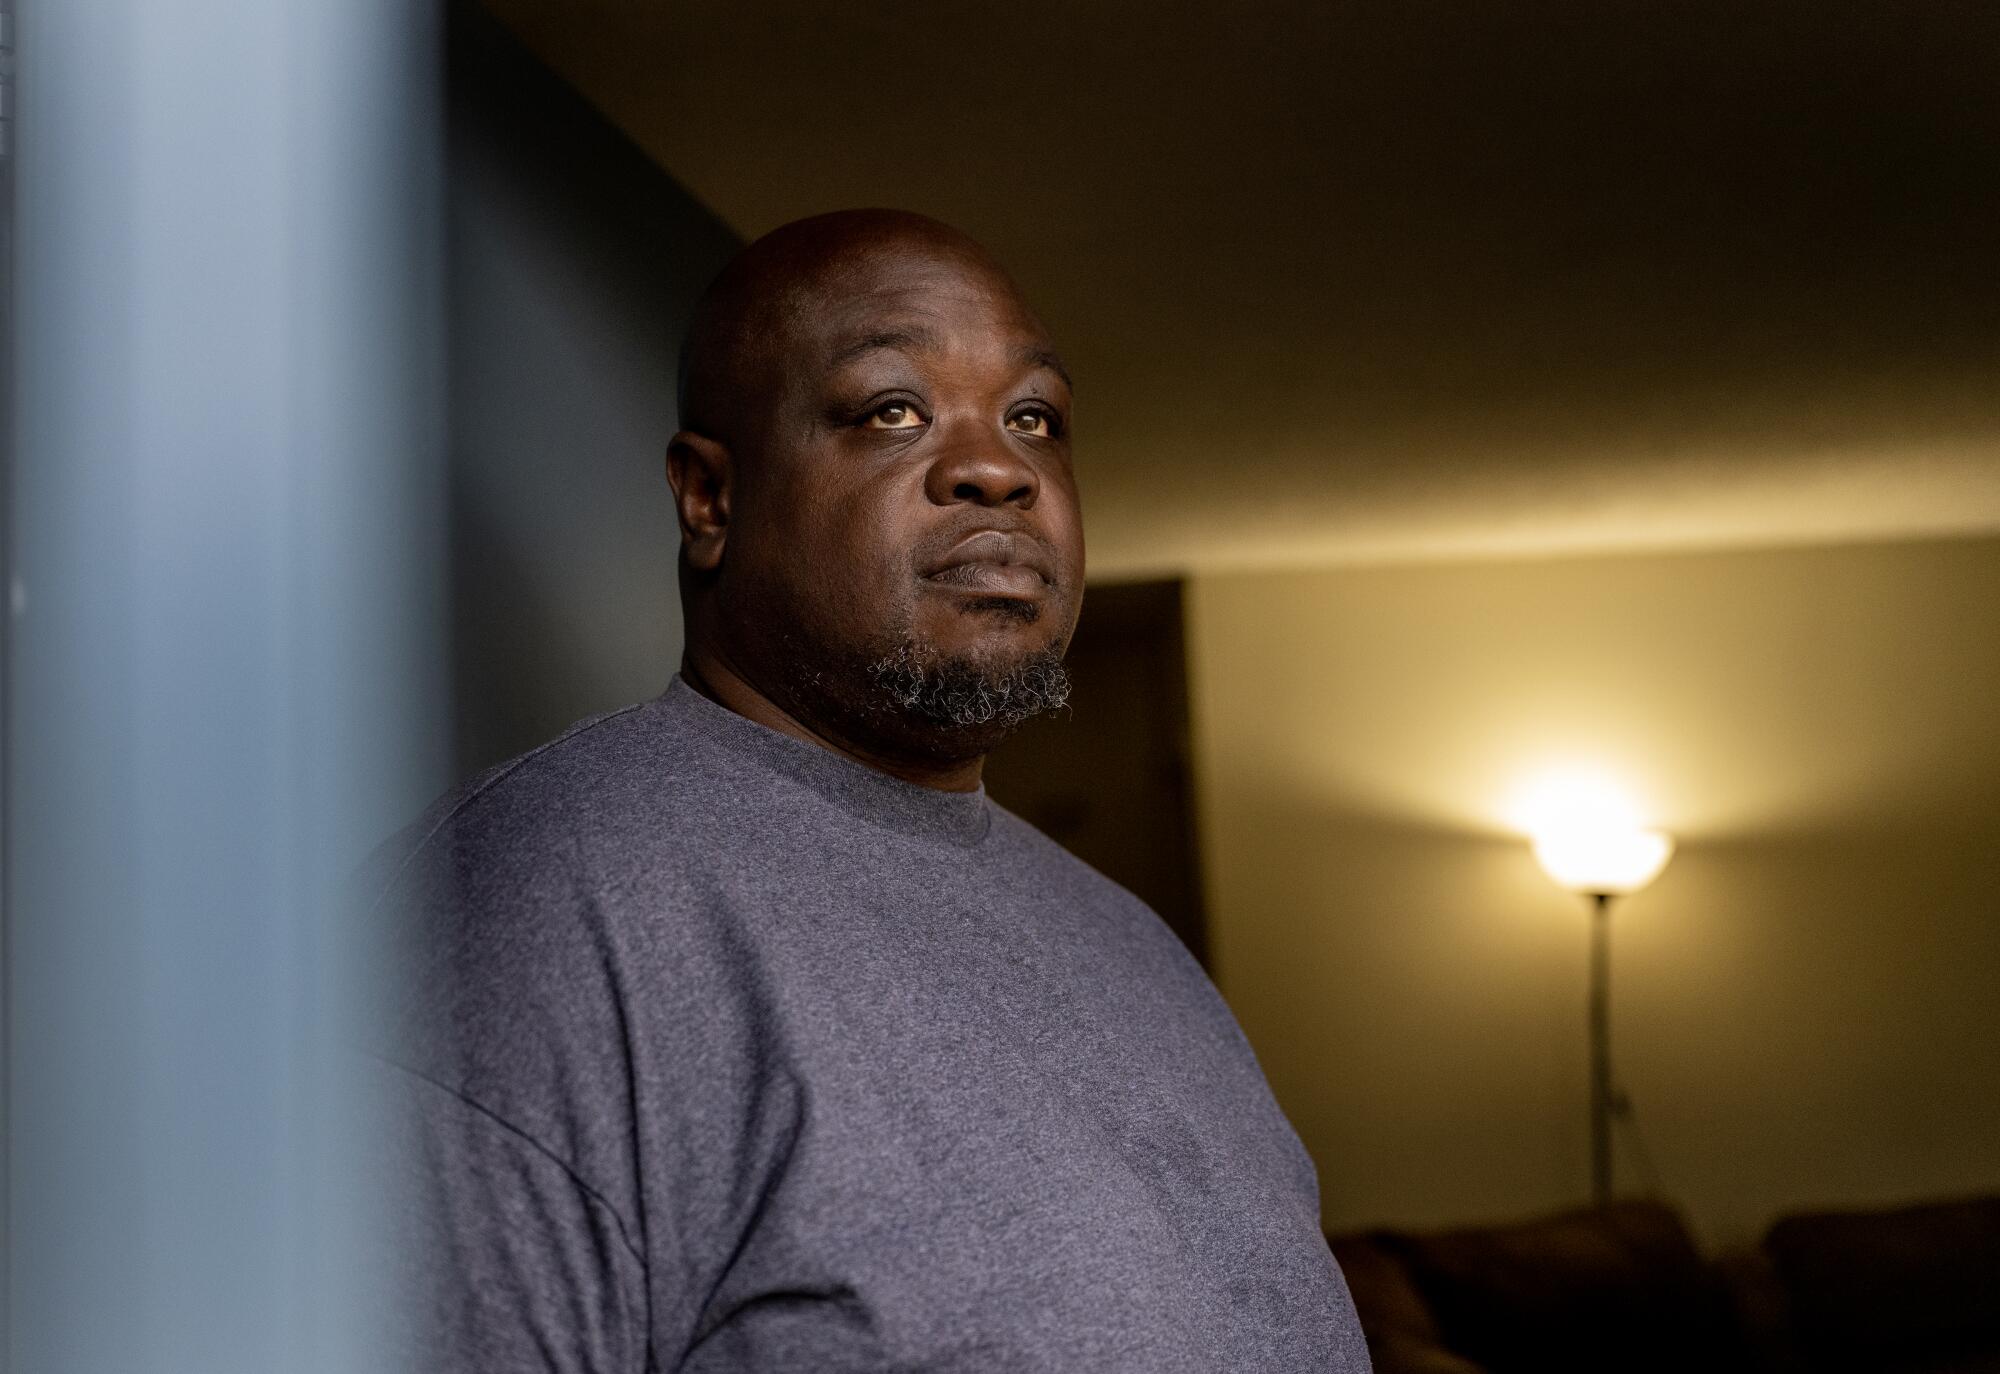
[{"x": 573, "y": 262}]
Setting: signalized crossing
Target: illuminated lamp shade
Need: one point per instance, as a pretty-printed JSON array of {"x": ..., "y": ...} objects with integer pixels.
[{"x": 1610, "y": 860}]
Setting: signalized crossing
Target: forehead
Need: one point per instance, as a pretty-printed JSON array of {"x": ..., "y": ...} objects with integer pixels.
[{"x": 943, "y": 300}]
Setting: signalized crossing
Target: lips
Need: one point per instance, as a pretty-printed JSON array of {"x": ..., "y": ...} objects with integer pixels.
[{"x": 996, "y": 563}]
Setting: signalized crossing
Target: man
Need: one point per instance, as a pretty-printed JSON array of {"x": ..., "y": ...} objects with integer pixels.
[{"x": 746, "y": 1033}]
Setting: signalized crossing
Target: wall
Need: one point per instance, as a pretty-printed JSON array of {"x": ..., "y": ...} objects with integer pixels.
[
  {"x": 1804, "y": 1008},
  {"x": 573, "y": 263}
]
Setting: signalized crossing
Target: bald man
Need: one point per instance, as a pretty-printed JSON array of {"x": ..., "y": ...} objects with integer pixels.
[{"x": 745, "y": 1032}]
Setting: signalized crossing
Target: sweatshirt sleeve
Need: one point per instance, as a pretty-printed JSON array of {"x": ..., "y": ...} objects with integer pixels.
[{"x": 506, "y": 1261}]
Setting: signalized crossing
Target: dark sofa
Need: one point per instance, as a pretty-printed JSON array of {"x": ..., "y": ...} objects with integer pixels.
[{"x": 1913, "y": 1290}]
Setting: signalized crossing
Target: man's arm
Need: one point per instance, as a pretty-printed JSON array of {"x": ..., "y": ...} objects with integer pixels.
[{"x": 505, "y": 1260}]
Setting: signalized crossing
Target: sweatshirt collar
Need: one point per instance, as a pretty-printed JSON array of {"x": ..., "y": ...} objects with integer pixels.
[{"x": 960, "y": 818}]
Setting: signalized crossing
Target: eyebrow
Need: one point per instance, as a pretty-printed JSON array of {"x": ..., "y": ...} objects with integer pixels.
[
  {"x": 918, "y": 337},
  {"x": 1033, "y": 356},
  {"x": 903, "y": 340}
]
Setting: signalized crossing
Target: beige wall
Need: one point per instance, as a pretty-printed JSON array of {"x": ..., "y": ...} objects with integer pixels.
[{"x": 1807, "y": 1003}]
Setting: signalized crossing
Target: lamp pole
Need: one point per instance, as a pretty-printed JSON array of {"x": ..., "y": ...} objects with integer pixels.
[
  {"x": 1600, "y": 859},
  {"x": 1602, "y": 1102}
]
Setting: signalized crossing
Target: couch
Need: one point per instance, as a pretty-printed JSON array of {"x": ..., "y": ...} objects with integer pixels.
[{"x": 1913, "y": 1290}]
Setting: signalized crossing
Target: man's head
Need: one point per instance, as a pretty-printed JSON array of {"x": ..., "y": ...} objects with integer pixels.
[{"x": 879, "y": 521}]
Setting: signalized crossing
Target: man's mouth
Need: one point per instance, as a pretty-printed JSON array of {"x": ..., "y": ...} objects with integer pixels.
[
  {"x": 993, "y": 579},
  {"x": 995, "y": 563}
]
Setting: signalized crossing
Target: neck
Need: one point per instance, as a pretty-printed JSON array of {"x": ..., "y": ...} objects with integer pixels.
[{"x": 711, "y": 674}]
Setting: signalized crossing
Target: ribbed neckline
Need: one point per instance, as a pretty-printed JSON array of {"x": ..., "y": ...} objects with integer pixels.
[{"x": 960, "y": 818}]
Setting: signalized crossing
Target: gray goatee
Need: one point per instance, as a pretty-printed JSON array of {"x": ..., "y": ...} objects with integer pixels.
[{"x": 964, "y": 692}]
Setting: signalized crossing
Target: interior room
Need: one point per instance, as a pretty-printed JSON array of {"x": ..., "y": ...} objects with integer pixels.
[
  {"x": 1541, "y": 472},
  {"x": 1473, "y": 400}
]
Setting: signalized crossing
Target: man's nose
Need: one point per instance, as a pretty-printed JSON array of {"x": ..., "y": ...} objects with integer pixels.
[{"x": 980, "y": 464}]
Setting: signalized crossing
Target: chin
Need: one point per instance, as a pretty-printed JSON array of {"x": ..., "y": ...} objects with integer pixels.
[
  {"x": 971, "y": 695},
  {"x": 1006, "y": 608},
  {"x": 995, "y": 628}
]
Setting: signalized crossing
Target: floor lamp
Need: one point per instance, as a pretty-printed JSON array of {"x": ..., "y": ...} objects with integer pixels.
[{"x": 1602, "y": 862}]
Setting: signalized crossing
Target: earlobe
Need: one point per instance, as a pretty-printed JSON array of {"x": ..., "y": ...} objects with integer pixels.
[{"x": 699, "y": 471}]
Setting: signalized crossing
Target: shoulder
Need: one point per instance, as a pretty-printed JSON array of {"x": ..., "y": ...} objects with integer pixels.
[
  {"x": 1114, "y": 911},
  {"x": 1030, "y": 848},
  {"x": 636, "y": 788},
  {"x": 600, "y": 769},
  {"x": 490, "y": 909}
]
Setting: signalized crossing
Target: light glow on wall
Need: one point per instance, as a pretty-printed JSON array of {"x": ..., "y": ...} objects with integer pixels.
[
  {"x": 1589, "y": 833},
  {"x": 1573, "y": 796}
]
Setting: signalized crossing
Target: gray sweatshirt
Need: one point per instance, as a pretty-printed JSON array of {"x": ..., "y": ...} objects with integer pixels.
[{"x": 718, "y": 1052}]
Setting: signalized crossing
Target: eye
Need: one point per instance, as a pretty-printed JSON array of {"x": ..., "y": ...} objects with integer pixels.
[
  {"x": 894, "y": 415},
  {"x": 1034, "y": 421}
]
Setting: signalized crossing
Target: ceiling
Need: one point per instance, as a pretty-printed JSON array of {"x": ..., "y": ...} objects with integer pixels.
[{"x": 1409, "y": 279}]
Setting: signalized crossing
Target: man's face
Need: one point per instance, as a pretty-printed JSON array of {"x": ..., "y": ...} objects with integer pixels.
[{"x": 911, "y": 497}]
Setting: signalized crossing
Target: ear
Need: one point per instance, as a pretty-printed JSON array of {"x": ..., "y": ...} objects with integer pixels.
[{"x": 699, "y": 470}]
